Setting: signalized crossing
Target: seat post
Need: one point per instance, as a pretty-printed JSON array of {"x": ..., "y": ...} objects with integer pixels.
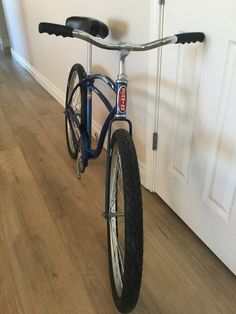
[{"x": 89, "y": 59}]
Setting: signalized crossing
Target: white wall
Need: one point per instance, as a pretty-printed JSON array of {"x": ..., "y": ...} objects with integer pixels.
[{"x": 52, "y": 56}]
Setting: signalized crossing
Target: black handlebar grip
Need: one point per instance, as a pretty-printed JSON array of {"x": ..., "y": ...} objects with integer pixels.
[
  {"x": 56, "y": 29},
  {"x": 189, "y": 38}
]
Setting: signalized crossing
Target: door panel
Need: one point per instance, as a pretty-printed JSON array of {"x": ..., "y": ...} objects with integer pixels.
[
  {"x": 222, "y": 165},
  {"x": 184, "y": 108},
  {"x": 196, "y": 159}
]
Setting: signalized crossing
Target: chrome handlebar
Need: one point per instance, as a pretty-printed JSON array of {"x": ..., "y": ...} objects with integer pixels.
[
  {"x": 123, "y": 46},
  {"x": 65, "y": 31}
]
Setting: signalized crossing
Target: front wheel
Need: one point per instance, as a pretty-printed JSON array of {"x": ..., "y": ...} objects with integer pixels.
[{"x": 124, "y": 223}]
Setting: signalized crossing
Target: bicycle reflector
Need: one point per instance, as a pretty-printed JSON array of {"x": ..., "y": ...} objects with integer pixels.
[{"x": 122, "y": 99}]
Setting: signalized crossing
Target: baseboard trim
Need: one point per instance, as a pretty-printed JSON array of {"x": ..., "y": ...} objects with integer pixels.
[
  {"x": 142, "y": 173},
  {"x": 60, "y": 97}
]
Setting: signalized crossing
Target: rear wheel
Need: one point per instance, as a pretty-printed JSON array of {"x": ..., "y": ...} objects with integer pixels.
[
  {"x": 78, "y": 104},
  {"x": 125, "y": 223}
]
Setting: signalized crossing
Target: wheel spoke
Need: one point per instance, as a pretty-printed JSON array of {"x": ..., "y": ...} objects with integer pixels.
[
  {"x": 116, "y": 215},
  {"x": 120, "y": 192},
  {"x": 119, "y": 167},
  {"x": 118, "y": 248},
  {"x": 120, "y": 180}
]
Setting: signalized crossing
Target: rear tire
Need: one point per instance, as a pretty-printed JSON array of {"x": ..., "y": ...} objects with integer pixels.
[
  {"x": 78, "y": 104},
  {"x": 124, "y": 223}
]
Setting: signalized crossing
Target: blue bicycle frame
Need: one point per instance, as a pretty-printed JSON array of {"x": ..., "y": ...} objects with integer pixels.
[{"x": 116, "y": 113}]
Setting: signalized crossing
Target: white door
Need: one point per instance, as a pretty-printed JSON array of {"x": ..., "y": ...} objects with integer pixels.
[{"x": 196, "y": 157}]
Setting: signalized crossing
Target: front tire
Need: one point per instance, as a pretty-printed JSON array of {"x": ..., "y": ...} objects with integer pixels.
[{"x": 124, "y": 223}]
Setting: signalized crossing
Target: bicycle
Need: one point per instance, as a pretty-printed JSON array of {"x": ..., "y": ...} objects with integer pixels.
[{"x": 123, "y": 200}]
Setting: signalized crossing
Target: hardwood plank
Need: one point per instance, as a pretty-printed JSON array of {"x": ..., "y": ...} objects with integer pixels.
[{"x": 42, "y": 270}]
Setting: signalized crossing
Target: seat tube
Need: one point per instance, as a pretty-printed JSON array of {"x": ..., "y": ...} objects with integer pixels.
[
  {"x": 89, "y": 94},
  {"x": 121, "y": 87}
]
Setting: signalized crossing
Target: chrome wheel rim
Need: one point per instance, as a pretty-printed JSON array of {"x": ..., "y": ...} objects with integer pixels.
[{"x": 116, "y": 218}]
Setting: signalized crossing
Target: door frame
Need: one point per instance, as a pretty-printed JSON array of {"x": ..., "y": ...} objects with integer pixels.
[{"x": 154, "y": 78}]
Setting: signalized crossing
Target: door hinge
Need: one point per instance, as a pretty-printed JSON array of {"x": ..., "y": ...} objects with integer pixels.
[
  {"x": 154, "y": 141},
  {"x": 162, "y": 2}
]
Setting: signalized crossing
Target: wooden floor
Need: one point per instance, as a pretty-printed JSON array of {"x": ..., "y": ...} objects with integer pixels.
[{"x": 53, "y": 251}]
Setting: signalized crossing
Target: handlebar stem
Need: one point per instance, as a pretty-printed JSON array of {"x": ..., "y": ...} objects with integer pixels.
[{"x": 122, "y": 76}]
